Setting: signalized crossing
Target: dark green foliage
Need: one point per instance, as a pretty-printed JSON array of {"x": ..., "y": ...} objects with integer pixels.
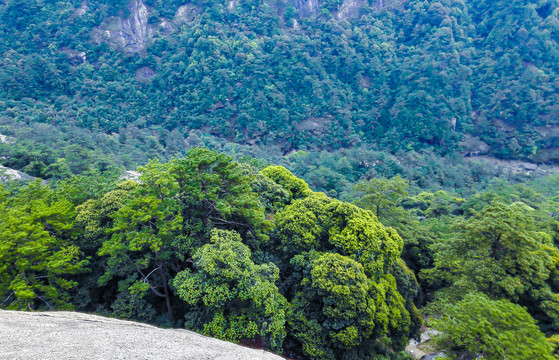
[
  {"x": 408, "y": 76},
  {"x": 165, "y": 218},
  {"x": 273, "y": 196},
  {"x": 133, "y": 306},
  {"x": 409, "y": 288},
  {"x": 214, "y": 191},
  {"x": 95, "y": 216},
  {"x": 340, "y": 97},
  {"x": 381, "y": 195}
]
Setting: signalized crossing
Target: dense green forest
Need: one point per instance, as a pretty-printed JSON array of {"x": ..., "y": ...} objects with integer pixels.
[
  {"x": 316, "y": 178},
  {"x": 241, "y": 253},
  {"x": 117, "y": 83}
]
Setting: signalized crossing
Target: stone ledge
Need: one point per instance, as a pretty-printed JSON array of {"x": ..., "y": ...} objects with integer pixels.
[{"x": 71, "y": 335}]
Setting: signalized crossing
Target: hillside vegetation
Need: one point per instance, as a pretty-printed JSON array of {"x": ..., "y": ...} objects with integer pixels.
[
  {"x": 310, "y": 177},
  {"x": 125, "y": 79},
  {"x": 240, "y": 254}
]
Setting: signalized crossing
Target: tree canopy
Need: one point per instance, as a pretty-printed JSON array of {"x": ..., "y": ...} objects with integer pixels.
[
  {"x": 491, "y": 329},
  {"x": 253, "y": 255}
]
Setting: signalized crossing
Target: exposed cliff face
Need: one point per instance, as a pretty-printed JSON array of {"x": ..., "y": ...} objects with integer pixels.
[
  {"x": 349, "y": 8},
  {"x": 134, "y": 33},
  {"x": 306, "y": 8},
  {"x": 6, "y": 139},
  {"x": 231, "y": 4},
  {"x": 82, "y": 9},
  {"x": 130, "y": 34},
  {"x": 8, "y": 174},
  {"x": 186, "y": 13}
]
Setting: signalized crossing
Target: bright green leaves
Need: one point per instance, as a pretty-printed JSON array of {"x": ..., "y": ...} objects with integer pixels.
[
  {"x": 143, "y": 230},
  {"x": 342, "y": 285},
  {"x": 299, "y": 225},
  {"x": 231, "y": 297},
  {"x": 343, "y": 288},
  {"x": 94, "y": 216},
  {"x": 146, "y": 225},
  {"x": 35, "y": 253},
  {"x": 323, "y": 224},
  {"x": 344, "y": 297},
  {"x": 500, "y": 252},
  {"x": 231, "y": 327},
  {"x": 168, "y": 216},
  {"x": 493, "y": 329},
  {"x": 298, "y": 188},
  {"x": 357, "y": 233},
  {"x": 339, "y": 309},
  {"x": 191, "y": 237}
]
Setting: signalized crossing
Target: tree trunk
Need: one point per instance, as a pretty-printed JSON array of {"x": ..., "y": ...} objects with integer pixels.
[{"x": 166, "y": 293}]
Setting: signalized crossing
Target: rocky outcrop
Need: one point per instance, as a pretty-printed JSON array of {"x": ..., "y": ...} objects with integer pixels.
[
  {"x": 75, "y": 57},
  {"x": 144, "y": 73},
  {"x": 514, "y": 166},
  {"x": 69, "y": 335},
  {"x": 436, "y": 356},
  {"x": 231, "y": 4},
  {"x": 422, "y": 349},
  {"x": 186, "y": 13},
  {"x": 130, "y": 175},
  {"x": 6, "y": 139},
  {"x": 130, "y": 34},
  {"x": 474, "y": 146},
  {"x": 306, "y": 8},
  {"x": 134, "y": 33},
  {"x": 82, "y": 9},
  {"x": 349, "y": 9},
  {"x": 8, "y": 174}
]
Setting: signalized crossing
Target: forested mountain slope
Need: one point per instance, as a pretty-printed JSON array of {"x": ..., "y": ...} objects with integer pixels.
[
  {"x": 456, "y": 76},
  {"x": 374, "y": 106}
]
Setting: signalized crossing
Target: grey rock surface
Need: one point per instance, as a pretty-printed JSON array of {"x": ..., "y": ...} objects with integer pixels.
[
  {"x": 427, "y": 335},
  {"x": 349, "y": 8},
  {"x": 130, "y": 34},
  {"x": 70, "y": 335},
  {"x": 8, "y": 174},
  {"x": 134, "y": 33},
  {"x": 306, "y": 7}
]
